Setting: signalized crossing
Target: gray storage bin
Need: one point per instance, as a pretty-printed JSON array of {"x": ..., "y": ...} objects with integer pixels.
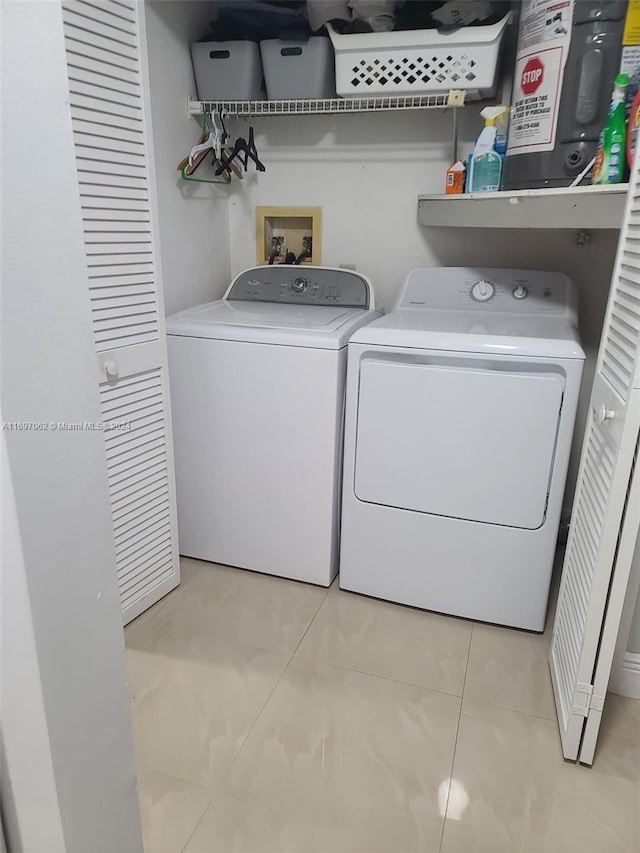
[
  {"x": 227, "y": 70},
  {"x": 301, "y": 69}
]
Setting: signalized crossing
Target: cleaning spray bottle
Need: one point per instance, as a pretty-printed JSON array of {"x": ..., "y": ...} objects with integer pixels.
[
  {"x": 609, "y": 167},
  {"x": 485, "y": 165}
]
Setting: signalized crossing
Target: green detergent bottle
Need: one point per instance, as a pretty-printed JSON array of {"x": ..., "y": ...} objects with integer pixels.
[{"x": 609, "y": 167}]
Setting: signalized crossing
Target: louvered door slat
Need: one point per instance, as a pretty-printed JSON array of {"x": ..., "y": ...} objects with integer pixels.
[
  {"x": 140, "y": 586},
  {"x": 114, "y": 282},
  {"x": 145, "y": 539},
  {"x": 148, "y": 430},
  {"x": 120, "y": 262},
  {"x": 123, "y": 469},
  {"x": 120, "y": 295},
  {"x": 116, "y": 100},
  {"x": 97, "y": 114},
  {"x": 134, "y": 573},
  {"x": 128, "y": 5},
  {"x": 136, "y": 476},
  {"x": 130, "y": 265},
  {"x": 126, "y": 11},
  {"x": 98, "y": 37},
  {"x": 103, "y": 101},
  {"x": 138, "y": 334},
  {"x": 94, "y": 166},
  {"x": 111, "y": 214},
  {"x": 111, "y": 86},
  {"x": 607, "y": 456},
  {"x": 107, "y": 105},
  {"x": 133, "y": 147},
  {"x": 143, "y": 535},
  {"x": 127, "y": 507},
  {"x": 97, "y": 178},
  {"x": 98, "y": 13},
  {"x": 84, "y": 65},
  {"x": 103, "y": 25},
  {"x": 107, "y": 305},
  {"x": 110, "y": 132},
  {"x": 157, "y": 509},
  {"x": 112, "y": 58},
  {"x": 107, "y": 193}
]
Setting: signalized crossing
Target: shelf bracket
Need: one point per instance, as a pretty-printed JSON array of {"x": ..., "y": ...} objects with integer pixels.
[{"x": 456, "y": 98}]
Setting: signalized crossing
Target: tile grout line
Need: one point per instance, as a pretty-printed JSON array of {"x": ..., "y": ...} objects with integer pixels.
[
  {"x": 220, "y": 784},
  {"x": 218, "y": 787},
  {"x": 375, "y": 674},
  {"x": 311, "y": 621},
  {"x": 455, "y": 743},
  {"x": 319, "y": 662}
]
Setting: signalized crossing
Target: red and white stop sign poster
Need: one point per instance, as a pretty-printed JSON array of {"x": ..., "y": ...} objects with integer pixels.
[{"x": 543, "y": 46}]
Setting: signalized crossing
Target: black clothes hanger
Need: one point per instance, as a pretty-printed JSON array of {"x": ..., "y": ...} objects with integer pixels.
[{"x": 242, "y": 146}]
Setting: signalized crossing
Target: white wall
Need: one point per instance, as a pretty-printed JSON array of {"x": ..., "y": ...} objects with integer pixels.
[
  {"x": 193, "y": 221},
  {"x": 49, "y": 374},
  {"x": 30, "y": 808}
]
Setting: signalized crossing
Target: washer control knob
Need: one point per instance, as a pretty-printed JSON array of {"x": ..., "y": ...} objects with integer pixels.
[
  {"x": 520, "y": 291},
  {"x": 482, "y": 291},
  {"x": 299, "y": 285}
]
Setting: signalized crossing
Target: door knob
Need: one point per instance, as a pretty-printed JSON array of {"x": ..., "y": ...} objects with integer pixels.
[
  {"x": 111, "y": 367},
  {"x": 603, "y": 414}
]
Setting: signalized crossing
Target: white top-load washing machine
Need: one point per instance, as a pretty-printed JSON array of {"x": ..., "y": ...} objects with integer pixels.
[
  {"x": 460, "y": 411},
  {"x": 257, "y": 398}
]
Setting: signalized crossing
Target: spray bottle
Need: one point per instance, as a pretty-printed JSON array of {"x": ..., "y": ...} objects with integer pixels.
[
  {"x": 609, "y": 167},
  {"x": 485, "y": 164}
]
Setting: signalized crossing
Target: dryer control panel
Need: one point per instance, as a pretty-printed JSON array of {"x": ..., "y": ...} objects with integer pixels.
[
  {"x": 302, "y": 285},
  {"x": 494, "y": 290}
]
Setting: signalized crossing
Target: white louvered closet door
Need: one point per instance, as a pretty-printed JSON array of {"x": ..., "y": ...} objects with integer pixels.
[
  {"x": 108, "y": 94},
  {"x": 591, "y": 593}
]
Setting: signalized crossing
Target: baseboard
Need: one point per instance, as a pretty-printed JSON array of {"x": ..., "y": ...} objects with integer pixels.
[{"x": 626, "y": 682}]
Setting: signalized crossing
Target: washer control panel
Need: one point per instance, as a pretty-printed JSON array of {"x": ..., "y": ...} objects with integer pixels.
[
  {"x": 301, "y": 285},
  {"x": 493, "y": 290}
]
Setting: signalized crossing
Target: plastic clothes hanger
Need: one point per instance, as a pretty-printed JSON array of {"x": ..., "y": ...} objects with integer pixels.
[
  {"x": 186, "y": 175},
  {"x": 246, "y": 148},
  {"x": 216, "y": 139}
]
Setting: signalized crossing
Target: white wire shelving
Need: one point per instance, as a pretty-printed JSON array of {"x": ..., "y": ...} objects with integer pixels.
[{"x": 329, "y": 106}]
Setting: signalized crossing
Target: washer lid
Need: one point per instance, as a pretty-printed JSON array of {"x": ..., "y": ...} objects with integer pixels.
[
  {"x": 325, "y": 327},
  {"x": 466, "y": 331}
]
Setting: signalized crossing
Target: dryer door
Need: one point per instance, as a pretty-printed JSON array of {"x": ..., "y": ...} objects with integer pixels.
[{"x": 461, "y": 438}]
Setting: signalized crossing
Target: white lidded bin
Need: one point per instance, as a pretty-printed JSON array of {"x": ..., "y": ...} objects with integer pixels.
[
  {"x": 298, "y": 69},
  {"x": 416, "y": 62},
  {"x": 227, "y": 70}
]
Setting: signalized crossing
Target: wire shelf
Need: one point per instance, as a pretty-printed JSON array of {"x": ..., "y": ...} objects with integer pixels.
[{"x": 327, "y": 106}]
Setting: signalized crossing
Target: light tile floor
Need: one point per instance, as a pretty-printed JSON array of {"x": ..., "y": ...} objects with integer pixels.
[{"x": 274, "y": 717}]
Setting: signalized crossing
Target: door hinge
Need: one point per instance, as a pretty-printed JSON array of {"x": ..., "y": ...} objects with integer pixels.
[
  {"x": 585, "y": 701},
  {"x": 582, "y": 699}
]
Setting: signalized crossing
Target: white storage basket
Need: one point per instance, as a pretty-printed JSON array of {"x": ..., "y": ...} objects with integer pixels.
[{"x": 416, "y": 62}]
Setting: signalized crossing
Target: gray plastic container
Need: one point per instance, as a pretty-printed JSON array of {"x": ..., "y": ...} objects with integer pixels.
[
  {"x": 298, "y": 69},
  {"x": 227, "y": 70}
]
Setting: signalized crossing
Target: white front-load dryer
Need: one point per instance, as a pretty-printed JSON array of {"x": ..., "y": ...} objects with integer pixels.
[
  {"x": 257, "y": 398},
  {"x": 460, "y": 411}
]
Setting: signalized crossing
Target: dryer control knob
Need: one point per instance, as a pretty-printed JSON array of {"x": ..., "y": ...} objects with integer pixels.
[
  {"x": 299, "y": 285},
  {"x": 482, "y": 291},
  {"x": 520, "y": 292}
]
